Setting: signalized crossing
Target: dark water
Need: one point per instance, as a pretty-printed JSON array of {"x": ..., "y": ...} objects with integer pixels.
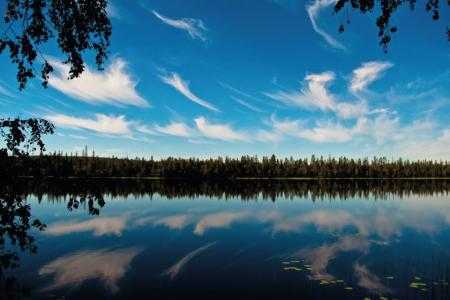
[{"x": 234, "y": 240}]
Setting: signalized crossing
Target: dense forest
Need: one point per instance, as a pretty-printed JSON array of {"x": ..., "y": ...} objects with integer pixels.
[{"x": 63, "y": 165}]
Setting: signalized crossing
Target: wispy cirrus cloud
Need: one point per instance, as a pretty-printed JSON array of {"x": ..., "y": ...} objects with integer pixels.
[
  {"x": 385, "y": 128},
  {"x": 113, "y": 11},
  {"x": 179, "y": 266},
  {"x": 100, "y": 226},
  {"x": 106, "y": 265},
  {"x": 267, "y": 136},
  {"x": 445, "y": 135},
  {"x": 101, "y": 123},
  {"x": 114, "y": 86},
  {"x": 369, "y": 281},
  {"x": 176, "y": 129},
  {"x": 194, "y": 27},
  {"x": 182, "y": 86},
  {"x": 5, "y": 91},
  {"x": 174, "y": 222},
  {"x": 366, "y": 74},
  {"x": 246, "y": 104},
  {"x": 313, "y": 9},
  {"x": 321, "y": 256},
  {"x": 218, "y": 220},
  {"x": 202, "y": 129},
  {"x": 72, "y": 136},
  {"x": 219, "y": 131},
  {"x": 314, "y": 94},
  {"x": 323, "y": 131}
]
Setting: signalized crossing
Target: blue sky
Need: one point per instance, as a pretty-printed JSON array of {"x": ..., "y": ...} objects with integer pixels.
[{"x": 215, "y": 78}]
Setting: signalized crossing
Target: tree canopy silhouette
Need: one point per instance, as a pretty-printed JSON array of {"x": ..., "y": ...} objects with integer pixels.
[
  {"x": 76, "y": 25},
  {"x": 387, "y": 9},
  {"x": 23, "y": 136}
]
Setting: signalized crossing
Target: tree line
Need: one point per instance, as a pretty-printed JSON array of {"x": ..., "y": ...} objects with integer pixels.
[{"x": 64, "y": 165}]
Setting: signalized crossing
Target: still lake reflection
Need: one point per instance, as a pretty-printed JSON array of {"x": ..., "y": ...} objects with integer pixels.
[{"x": 241, "y": 240}]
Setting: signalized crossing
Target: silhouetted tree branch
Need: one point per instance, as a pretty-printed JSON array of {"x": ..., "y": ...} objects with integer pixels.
[
  {"x": 24, "y": 136},
  {"x": 387, "y": 9},
  {"x": 76, "y": 26}
]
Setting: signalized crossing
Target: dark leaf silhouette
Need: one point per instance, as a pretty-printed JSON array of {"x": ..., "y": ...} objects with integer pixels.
[
  {"x": 387, "y": 9},
  {"x": 76, "y": 26},
  {"x": 24, "y": 136}
]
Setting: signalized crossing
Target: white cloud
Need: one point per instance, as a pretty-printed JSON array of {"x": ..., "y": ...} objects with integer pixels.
[
  {"x": 145, "y": 130},
  {"x": 73, "y": 136},
  {"x": 112, "y": 11},
  {"x": 314, "y": 94},
  {"x": 423, "y": 148},
  {"x": 368, "y": 280},
  {"x": 246, "y": 104},
  {"x": 366, "y": 74},
  {"x": 194, "y": 27},
  {"x": 174, "y": 222},
  {"x": 327, "y": 133},
  {"x": 108, "y": 266},
  {"x": 183, "y": 87},
  {"x": 174, "y": 270},
  {"x": 99, "y": 226},
  {"x": 102, "y": 123},
  {"x": 6, "y": 92},
  {"x": 177, "y": 129},
  {"x": 113, "y": 86},
  {"x": 200, "y": 142},
  {"x": 218, "y": 220},
  {"x": 321, "y": 256},
  {"x": 219, "y": 131},
  {"x": 313, "y": 10},
  {"x": 353, "y": 110},
  {"x": 445, "y": 136},
  {"x": 385, "y": 129},
  {"x": 268, "y": 136},
  {"x": 324, "y": 131}
]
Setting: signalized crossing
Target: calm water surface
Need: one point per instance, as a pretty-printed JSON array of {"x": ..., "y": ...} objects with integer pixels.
[{"x": 307, "y": 243}]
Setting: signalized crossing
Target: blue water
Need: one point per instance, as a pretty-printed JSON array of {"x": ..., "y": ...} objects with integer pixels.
[{"x": 149, "y": 246}]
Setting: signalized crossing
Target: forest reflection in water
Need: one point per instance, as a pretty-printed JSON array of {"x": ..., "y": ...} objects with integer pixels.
[
  {"x": 358, "y": 229},
  {"x": 244, "y": 189}
]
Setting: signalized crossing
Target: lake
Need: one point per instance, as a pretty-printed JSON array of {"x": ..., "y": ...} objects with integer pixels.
[{"x": 232, "y": 240}]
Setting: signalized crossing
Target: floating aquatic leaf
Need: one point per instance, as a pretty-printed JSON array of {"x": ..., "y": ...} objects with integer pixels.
[
  {"x": 339, "y": 280},
  {"x": 292, "y": 269},
  {"x": 383, "y": 298},
  {"x": 424, "y": 289},
  {"x": 367, "y": 298},
  {"x": 348, "y": 288},
  {"x": 421, "y": 284},
  {"x": 417, "y": 278},
  {"x": 285, "y": 262},
  {"x": 389, "y": 277}
]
